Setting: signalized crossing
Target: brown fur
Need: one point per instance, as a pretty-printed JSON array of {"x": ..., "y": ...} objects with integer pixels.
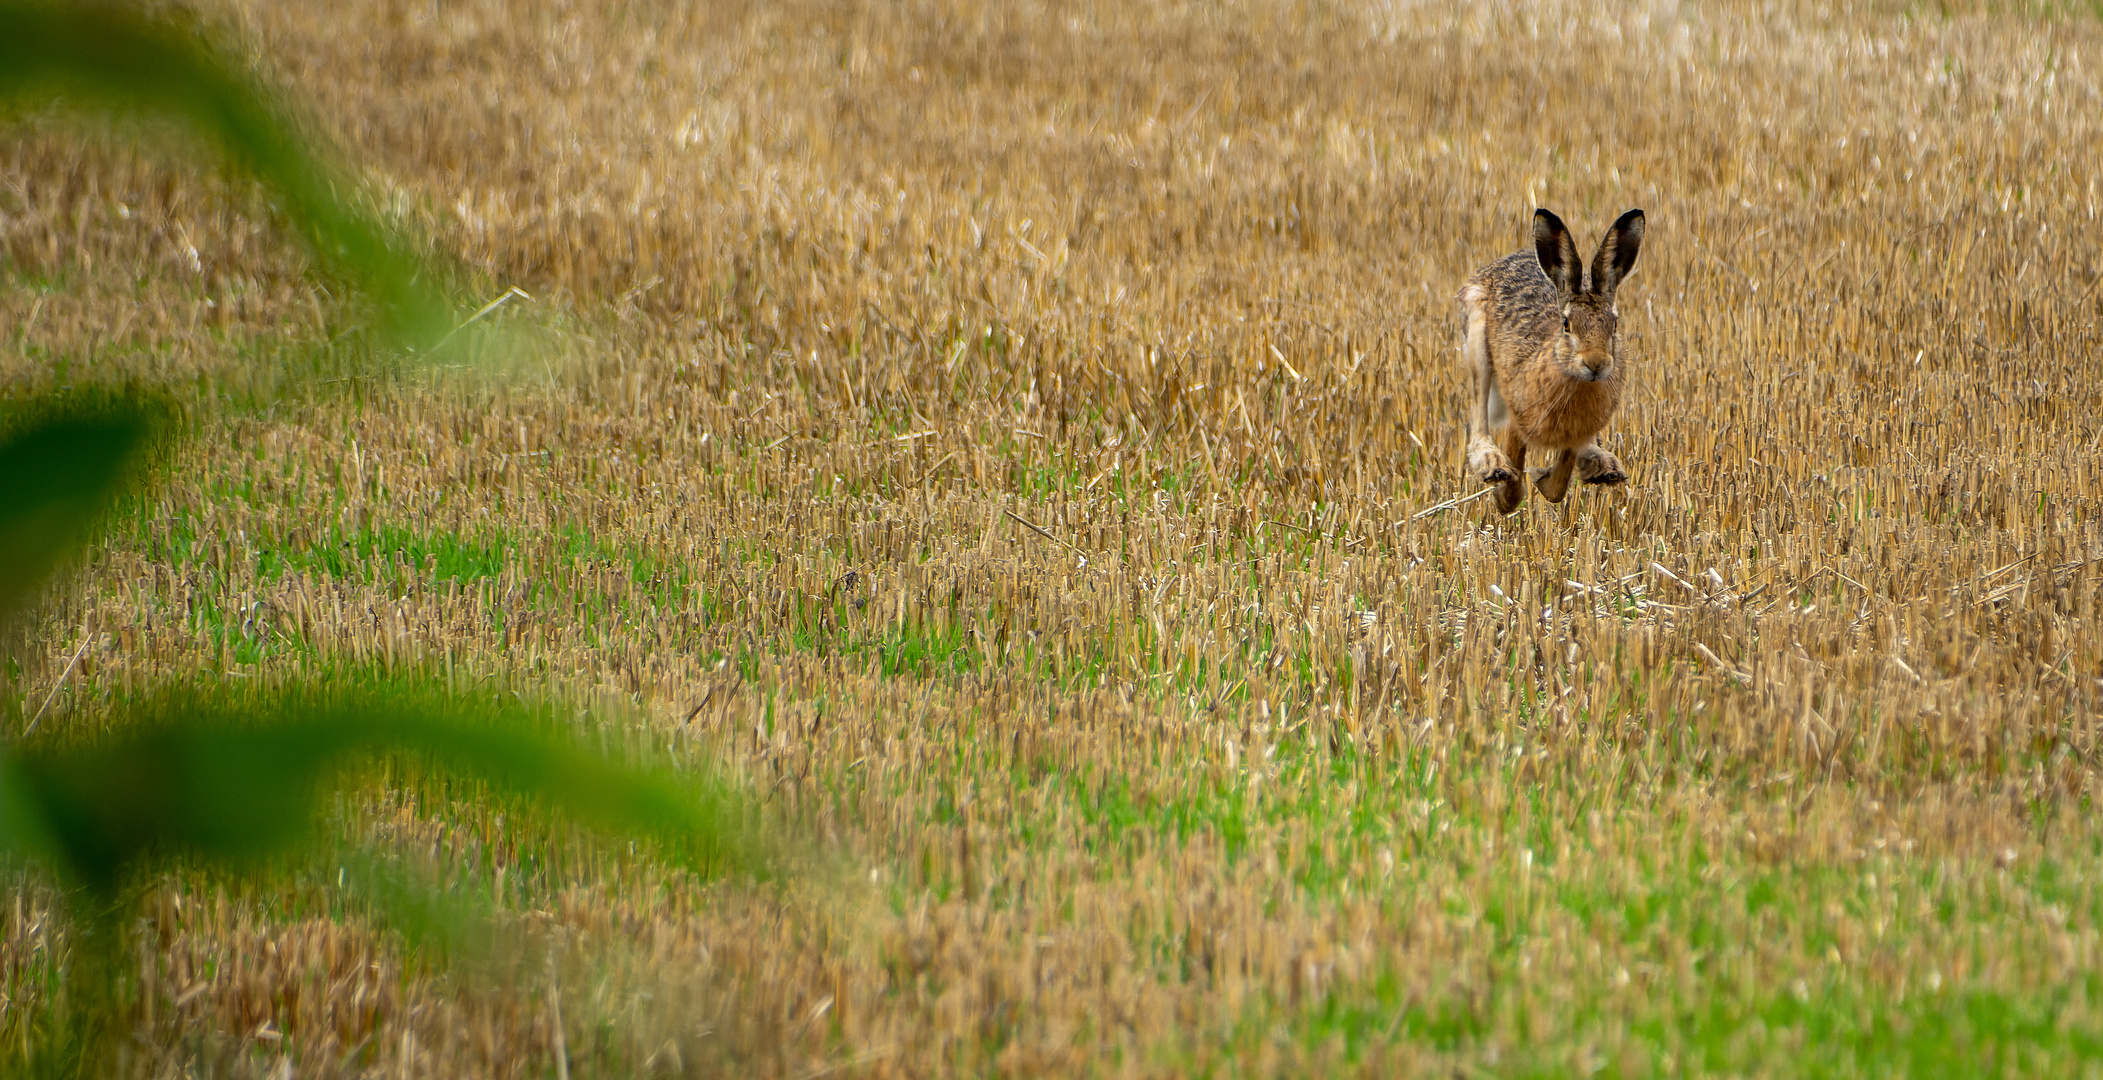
[{"x": 1542, "y": 340}]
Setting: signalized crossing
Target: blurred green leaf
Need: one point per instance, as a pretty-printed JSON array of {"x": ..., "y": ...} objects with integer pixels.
[
  {"x": 235, "y": 781},
  {"x": 220, "y": 774},
  {"x": 57, "y": 475},
  {"x": 443, "y": 919},
  {"x": 122, "y": 61}
]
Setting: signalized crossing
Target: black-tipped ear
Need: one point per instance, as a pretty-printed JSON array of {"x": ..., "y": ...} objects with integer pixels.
[
  {"x": 1617, "y": 253},
  {"x": 1558, "y": 253}
]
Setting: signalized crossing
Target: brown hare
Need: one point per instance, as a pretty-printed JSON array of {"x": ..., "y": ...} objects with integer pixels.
[{"x": 1541, "y": 340}]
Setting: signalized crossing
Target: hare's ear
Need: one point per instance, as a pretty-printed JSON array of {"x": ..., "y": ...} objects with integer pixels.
[
  {"x": 1617, "y": 253},
  {"x": 1558, "y": 253}
]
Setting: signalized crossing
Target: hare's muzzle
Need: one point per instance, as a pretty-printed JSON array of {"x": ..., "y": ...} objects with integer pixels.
[{"x": 1595, "y": 367}]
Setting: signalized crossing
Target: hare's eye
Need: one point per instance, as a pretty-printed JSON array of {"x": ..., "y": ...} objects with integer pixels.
[{"x": 1566, "y": 324}]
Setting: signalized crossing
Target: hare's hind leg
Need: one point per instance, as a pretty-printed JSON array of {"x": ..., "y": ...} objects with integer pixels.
[
  {"x": 1554, "y": 483},
  {"x": 1486, "y": 412},
  {"x": 1513, "y": 487},
  {"x": 1596, "y": 466}
]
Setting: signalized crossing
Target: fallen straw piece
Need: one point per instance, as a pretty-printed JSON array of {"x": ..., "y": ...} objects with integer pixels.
[
  {"x": 1451, "y": 503},
  {"x": 1039, "y": 530}
]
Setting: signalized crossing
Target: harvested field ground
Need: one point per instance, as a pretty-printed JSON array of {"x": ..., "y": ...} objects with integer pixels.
[{"x": 1015, "y": 437}]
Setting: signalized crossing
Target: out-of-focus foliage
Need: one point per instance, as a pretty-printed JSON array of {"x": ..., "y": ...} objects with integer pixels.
[
  {"x": 232, "y": 779},
  {"x": 118, "y": 61},
  {"x": 219, "y": 776},
  {"x": 57, "y": 475}
]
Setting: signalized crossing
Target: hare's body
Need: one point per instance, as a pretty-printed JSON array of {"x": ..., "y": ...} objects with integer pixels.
[{"x": 1541, "y": 342}]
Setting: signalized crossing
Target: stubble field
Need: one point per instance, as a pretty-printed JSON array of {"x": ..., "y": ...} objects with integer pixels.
[{"x": 1021, "y": 439}]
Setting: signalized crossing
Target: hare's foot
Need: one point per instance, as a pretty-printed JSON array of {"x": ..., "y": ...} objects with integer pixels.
[
  {"x": 1596, "y": 466},
  {"x": 1513, "y": 487},
  {"x": 1554, "y": 482},
  {"x": 1509, "y": 494},
  {"x": 1488, "y": 464}
]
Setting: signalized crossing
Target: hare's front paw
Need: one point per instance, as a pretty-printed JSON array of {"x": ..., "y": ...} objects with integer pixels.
[
  {"x": 1489, "y": 463},
  {"x": 1596, "y": 466}
]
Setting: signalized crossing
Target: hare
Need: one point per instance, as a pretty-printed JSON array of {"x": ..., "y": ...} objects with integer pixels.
[{"x": 1542, "y": 386}]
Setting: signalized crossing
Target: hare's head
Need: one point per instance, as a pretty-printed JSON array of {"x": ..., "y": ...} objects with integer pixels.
[{"x": 1586, "y": 348}]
